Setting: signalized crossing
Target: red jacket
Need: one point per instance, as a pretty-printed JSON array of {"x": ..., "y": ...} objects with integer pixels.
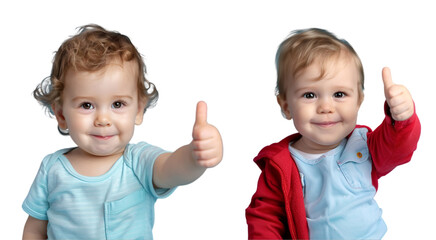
[{"x": 277, "y": 208}]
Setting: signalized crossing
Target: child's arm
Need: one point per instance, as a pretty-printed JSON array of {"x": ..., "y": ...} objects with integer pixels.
[
  {"x": 35, "y": 229},
  {"x": 189, "y": 162},
  {"x": 395, "y": 140},
  {"x": 266, "y": 214}
]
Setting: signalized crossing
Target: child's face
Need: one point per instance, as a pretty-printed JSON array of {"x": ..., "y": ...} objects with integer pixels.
[
  {"x": 324, "y": 111},
  {"x": 101, "y": 108}
]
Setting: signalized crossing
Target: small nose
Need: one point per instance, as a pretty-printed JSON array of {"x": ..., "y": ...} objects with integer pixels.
[
  {"x": 325, "y": 106},
  {"x": 102, "y": 120}
]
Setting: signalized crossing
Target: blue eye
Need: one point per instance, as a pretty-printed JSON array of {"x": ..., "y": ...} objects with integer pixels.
[
  {"x": 340, "y": 95},
  {"x": 86, "y": 105},
  {"x": 309, "y": 95}
]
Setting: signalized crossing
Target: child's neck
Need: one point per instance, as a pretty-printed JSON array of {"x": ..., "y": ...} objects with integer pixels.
[
  {"x": 311, "y": 148},
  {"x": 90, "y": 165}
]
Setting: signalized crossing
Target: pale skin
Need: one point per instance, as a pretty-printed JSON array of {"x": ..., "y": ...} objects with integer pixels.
[
  {"x": 325, "y": 111},
  {"x": 398, "y": 98},
  {"x": 189, "y": 162},
  {"x": 114, "y": 126}
]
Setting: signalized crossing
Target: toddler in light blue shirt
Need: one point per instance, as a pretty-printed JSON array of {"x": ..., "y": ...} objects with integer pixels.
[{"x": 105, "y": 188}]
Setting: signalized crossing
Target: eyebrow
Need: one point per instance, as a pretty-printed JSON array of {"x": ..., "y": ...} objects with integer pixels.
[
  {"x": 79, "y": 98},
  {"x": 345, "y": 88},
  {"x": 310, "y": 88},
  {"x": 123, "y": 96}
]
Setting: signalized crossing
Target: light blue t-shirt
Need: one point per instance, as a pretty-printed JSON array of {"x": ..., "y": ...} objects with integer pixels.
[
  {"x": 338, "y": 191},
  {"x": 116, "y": 205}
]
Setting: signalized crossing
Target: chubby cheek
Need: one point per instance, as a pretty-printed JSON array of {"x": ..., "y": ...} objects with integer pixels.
[
  {"x": 350, "y": 113},
  {"x": 301, "y": 117},
  {"x": 78, "y": 128},
  {"x": 126, "y": 125},
  {"x": 128, "y": 128},
  {"x": 76, "y": 123}
]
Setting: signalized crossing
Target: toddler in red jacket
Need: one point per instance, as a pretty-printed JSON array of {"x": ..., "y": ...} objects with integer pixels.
[{"x": 320, "y": 182}]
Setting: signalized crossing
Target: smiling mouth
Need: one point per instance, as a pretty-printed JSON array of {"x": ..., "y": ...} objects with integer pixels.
[
  {"x": 326, "y": 124},
  {"x": 102, "y": 137}
]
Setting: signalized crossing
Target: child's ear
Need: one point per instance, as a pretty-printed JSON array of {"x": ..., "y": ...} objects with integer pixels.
[
  {"x": 58, "y": 112},
  {"x": 285, "y": 107},
  {"x": 141, "y": 110}
]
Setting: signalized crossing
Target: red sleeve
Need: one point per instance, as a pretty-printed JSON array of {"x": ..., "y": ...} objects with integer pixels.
[
  {"x": 392, "y": 144},
  {"x": 266, "y": 214}
]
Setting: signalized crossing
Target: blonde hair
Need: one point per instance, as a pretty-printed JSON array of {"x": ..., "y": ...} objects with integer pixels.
[
  {"x": 302, "y": 48},
  {"x": 91, "y": 49}
]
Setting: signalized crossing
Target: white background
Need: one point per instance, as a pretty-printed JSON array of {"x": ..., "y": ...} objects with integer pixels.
[{"x": 221, "y": 52}]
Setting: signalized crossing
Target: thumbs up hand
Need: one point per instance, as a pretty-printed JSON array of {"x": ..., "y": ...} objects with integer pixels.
[
  {"x": 207, "y": 146},
  {"x": 398, "y": 98}
]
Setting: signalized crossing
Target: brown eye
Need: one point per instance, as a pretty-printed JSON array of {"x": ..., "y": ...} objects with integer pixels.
[
  {"x": 118, "y": 104},
  {"x": 309, "y": 95},
  {"x": 87, "y": 106},
  {"x": 340, "y": 95}
]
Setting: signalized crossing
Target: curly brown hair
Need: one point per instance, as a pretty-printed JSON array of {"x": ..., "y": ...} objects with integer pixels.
[{"x": 91, "y": 49}]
